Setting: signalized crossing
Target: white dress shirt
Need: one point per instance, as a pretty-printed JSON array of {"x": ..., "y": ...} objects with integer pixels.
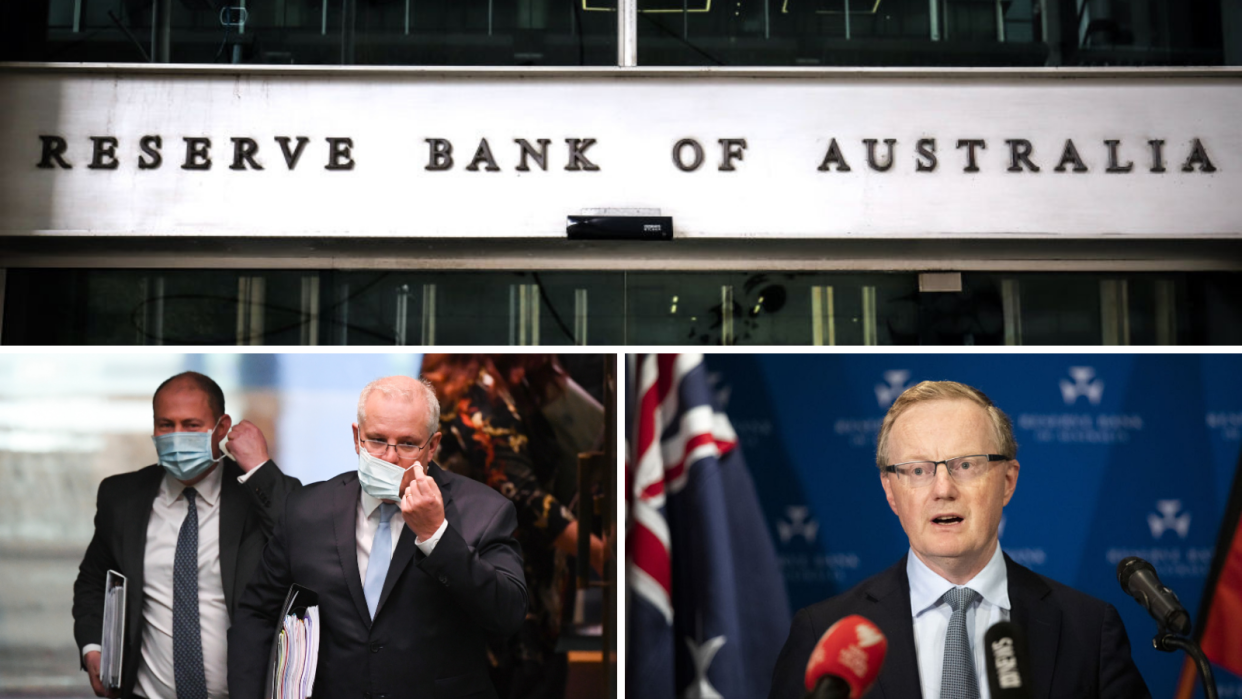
[
  {"x": 155, "y": 668},
  {"x": 931, "y": 617},
  {"x": 168, "y": 511},
  {"x": 368, "y": 522}
]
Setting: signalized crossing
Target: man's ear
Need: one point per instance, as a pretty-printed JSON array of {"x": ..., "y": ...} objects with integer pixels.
[
  {"x": 888, "y": 493},
  {"x": 219, "y": 433},
  {"x": 357, "y": 439},
  {"x": 1011, "y": 480}
]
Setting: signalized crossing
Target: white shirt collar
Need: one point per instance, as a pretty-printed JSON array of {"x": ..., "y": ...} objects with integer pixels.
[
  {"x": 208, "y": 489},
  {"x": 369, "y": 503},
  {"x": 927, "y": 587}
]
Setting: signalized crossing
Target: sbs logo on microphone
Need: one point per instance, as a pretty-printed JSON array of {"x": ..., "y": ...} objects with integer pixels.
[
  {"x": 1006, "y": 664},
  {"x": 868, "y": 636},
  {"x": 853, "y": 656}
]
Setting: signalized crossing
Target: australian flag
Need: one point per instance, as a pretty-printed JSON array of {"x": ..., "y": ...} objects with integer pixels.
[{"x": 707, "y": 612}]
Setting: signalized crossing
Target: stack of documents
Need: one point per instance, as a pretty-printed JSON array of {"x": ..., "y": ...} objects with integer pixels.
[
  {"x": 295, "y": 648},
  {"x": 112, "y": 642},
  {"x": 297, "y": 656}
]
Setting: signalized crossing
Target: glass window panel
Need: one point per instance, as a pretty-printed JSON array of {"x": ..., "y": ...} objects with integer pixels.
[
  {"x": 125, "y": 307},
  {"x": 768, "y": 308},
  {"x": 670, "y": 32},
  {"x": 435, "y": 307},
  {"x": 334, "y": 32},
  {"x": 939, "y": 33},
  {"x": 501, "y": 308}
]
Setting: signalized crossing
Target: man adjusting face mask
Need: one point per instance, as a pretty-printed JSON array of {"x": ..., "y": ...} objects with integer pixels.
[
  {"x": 379, "y": 479},
  {"x": 186, "y": 455}
]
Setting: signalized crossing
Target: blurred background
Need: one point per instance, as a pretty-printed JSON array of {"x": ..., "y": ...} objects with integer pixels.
[{"x": 69, "y": 420}]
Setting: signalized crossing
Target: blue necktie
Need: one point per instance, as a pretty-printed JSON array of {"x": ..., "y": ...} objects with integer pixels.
[
  {"x": 958, "y": 680},
  {"x": 187, "y": 634},
  {"x": 381, "y": 556}
]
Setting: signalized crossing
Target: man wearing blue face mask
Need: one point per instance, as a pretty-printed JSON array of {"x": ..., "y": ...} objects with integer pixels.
[
  {"x": 187, "y": 533},
  {"x": 415, "y": 567}
]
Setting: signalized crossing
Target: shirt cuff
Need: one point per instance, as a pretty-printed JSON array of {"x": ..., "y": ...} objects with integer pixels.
[
  {"x": 430, "y": 544},
  {"x": 246, "y": 476},
  {"x": 90, "y": 647}
]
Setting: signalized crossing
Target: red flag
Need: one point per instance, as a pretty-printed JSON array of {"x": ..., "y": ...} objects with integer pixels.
[
  {"x": 1222, "y": 633},
  {"x": 1219, "y": 626}
]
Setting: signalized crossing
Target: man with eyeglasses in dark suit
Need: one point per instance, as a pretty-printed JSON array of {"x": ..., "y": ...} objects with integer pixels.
[
  {"x": 948, "y": 465},
  {"x": 414, "y": 567}
]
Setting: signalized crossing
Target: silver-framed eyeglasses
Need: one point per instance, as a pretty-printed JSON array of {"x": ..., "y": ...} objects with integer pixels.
[
  {"x": 377, "y": 448},
  {"x": 962, "y": 469}
]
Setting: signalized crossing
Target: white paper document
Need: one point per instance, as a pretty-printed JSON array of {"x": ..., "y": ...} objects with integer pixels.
[{"x": 112, "y": 641}]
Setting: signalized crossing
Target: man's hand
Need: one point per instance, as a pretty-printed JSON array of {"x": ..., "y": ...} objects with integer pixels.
[
  {"x": 92, "y": 671},
  {"x": 599, "y": 553},
  {"x": 568, "y": 542},
  {"x": 248, "y": 445},
  {"x": 422, "y": 506}
]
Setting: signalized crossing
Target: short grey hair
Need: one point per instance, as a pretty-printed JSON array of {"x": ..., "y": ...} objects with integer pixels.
[
  {"x": 404, "y": 388},
  {"x": 1002, "y": 426}
]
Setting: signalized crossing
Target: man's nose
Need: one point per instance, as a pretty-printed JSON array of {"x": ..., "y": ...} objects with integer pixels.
[
  {"x": 390, "y": 454},
  {"x": 943, "y": 484}
]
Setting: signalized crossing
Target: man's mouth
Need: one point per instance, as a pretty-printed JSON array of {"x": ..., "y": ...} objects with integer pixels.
[{"x": 947, "y": 519}]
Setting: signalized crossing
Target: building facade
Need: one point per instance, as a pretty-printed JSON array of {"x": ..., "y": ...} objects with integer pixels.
[{"x": 832, "y": 172}]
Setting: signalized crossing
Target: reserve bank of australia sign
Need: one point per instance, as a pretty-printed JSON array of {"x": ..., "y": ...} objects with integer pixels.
[{"x": 502, "y": 153}]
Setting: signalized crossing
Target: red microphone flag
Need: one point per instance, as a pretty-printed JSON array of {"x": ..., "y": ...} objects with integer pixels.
[{"x": 852, "y": 649}]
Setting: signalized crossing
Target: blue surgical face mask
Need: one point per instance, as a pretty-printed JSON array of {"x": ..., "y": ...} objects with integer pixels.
[
  {"x": 185, "y": 455},
  {"x": 380, "y": 479}
]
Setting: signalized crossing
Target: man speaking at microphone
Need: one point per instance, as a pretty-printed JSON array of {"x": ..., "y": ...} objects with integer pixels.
[
  {"x": 414, "y": 567},
  {"x": 948, "y": 465}
]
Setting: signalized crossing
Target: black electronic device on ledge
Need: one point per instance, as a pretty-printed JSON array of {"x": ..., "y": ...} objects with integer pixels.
[{"x": 612, "y": 227}]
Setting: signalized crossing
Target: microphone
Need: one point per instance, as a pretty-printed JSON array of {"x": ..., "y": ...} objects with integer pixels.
[
  {"x": 1140, "y": 581},
  {"x": 1009, "y": 666},
  {"x": 846, "y": 661}
]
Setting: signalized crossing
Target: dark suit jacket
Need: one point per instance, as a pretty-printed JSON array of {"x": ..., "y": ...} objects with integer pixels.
[
  {"x": 1077, "y": 644},
  {"x": 248, "y": 514},
  {"x": 435, "y": 612}
]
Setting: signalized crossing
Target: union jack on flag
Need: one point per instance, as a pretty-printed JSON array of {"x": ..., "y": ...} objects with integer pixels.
[{"x": 708, "y": 611}]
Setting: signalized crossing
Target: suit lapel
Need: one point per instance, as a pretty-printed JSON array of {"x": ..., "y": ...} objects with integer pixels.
[
  {"x": 345, "y": 526},
  {"x": 406, "y": 546},
  {"x": 1035, "y": 614},
  {"x": 136, "y": 515},
  {"x": 234, "y": 508},
  {"x": 891, "y": 612}
]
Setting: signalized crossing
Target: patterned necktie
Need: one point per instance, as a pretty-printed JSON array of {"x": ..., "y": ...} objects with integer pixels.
[
  {"x": 381, "y": 556},
  {"x": 187, "y": 634},
  {"x": 957, "y": 680}
]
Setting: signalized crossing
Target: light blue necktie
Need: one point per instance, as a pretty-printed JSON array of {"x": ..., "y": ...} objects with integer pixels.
[
  {"x": 381, "y": 556},
  {"x": 958, "y": 680},
  {"x": 188, "y": 673}
]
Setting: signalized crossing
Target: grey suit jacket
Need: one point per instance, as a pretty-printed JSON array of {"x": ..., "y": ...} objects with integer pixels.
[
  {"x": 122, "y": 510},
  {"x": 1077, "y": 644}
]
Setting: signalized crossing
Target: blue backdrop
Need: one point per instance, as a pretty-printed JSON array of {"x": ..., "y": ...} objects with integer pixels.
[{"x": 1121, "y": 455}]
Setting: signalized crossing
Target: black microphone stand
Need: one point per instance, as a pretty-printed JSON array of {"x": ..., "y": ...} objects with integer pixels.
[{"x": 1169, "y": 643}]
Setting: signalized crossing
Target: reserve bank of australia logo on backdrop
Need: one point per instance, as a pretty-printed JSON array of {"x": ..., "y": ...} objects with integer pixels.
[
  {"x": 1084, "y": 385},
  {"x": 1169, "y": 518},
  {"x": 1174, "y": 557},
  {"x": 800, "y": 523},
  {"x": 886, "y": 393}
]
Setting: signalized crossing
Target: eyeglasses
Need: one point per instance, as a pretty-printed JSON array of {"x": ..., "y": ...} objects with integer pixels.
[
  {"x": 963, "y": 469},
  {"x": 377, "y": 448}
]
